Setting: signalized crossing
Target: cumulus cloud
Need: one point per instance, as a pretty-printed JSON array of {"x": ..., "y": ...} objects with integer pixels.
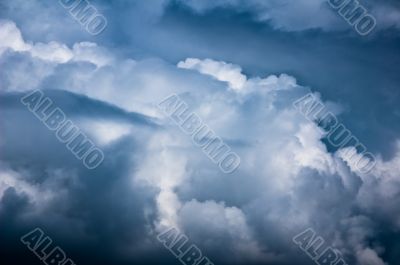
[
  {"x": 53, "y": 51},
  {"x": 220, "y": 70},
  {"x": 213, "y": 224},
  {"x": 153, "y": 176},
  {"x": 12, "y": 37}
]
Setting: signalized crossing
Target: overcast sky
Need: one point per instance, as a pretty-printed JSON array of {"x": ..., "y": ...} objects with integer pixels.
[{"x": 239, "y": 65}]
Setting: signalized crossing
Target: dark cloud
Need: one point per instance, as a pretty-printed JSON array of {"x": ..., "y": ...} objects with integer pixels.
[{"x": 153, "y": 176}]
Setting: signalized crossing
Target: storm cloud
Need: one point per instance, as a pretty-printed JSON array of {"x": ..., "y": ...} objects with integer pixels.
[{"x": 153, "y": 177}]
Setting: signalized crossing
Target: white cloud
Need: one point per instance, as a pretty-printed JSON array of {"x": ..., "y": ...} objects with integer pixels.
[
  {"x": 220, "y": 70},
  {"x": 53, "y": 51},
  {"x": 11, "y": 37},
  {"x": 287, "y": 177},
  {"x": 106, "y": 132},
  {"x": 217, "y": 222},
  {"x": 163, "y": 167}
]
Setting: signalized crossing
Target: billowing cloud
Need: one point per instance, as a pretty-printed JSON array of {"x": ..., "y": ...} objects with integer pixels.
[
  {"x": 153, "y": 176},
  {"x": 220, "y": 70},
  {"x": 52, "y": 51}
]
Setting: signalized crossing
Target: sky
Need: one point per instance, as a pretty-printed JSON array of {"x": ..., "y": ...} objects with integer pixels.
[{"x": 239, "y": 66}]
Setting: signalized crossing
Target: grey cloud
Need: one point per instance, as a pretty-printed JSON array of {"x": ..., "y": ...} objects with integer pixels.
[{"x": 153, "y": 175}]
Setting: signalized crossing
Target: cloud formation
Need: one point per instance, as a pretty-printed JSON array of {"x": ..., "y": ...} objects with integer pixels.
[
  {"x": 297, "y": 15},
  {"x": 154, "y": 177}
]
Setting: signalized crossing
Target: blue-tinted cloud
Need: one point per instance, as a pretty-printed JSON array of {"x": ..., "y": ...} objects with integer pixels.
[{"x": 153, "y": 176}]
